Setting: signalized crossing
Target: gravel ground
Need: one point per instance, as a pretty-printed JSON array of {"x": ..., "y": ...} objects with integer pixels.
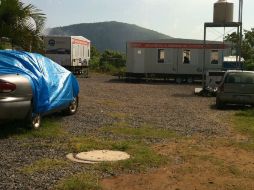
[{"x": 104, "y": 101}]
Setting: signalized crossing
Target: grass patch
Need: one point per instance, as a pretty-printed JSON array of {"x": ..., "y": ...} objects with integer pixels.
[
  {"x": 118, "y": 115},
  {"x": 142, "y": 159},
  {"x": 11, "y": 129},
  {"x": 79, "y": 182},
  {"x": 144, "y": 131},
  {"x": 50, "y": 128},
  {"x": 142, "y": 156},
  {"x": 247, "y": 145},
  {"x": 235, "y": 171},
  {"x": 244, "y": 123},
  {"x": 82, "y": 144},
  {"x": 109, "y": 103},
  {"x": 43, "y": 165},
  {"x": 215, "y": 161}
]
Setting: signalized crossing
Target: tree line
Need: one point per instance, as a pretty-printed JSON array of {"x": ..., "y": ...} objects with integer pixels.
[
  {"x": 108, "y": 61},
  {"x": 247, "y": 46}
]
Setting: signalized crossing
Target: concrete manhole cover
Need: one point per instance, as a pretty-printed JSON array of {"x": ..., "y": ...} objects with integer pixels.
[{"x": 97, "y": 156}]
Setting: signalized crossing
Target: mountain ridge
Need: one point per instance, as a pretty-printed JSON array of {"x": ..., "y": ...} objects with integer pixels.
[{"x": 108, "y": 35}]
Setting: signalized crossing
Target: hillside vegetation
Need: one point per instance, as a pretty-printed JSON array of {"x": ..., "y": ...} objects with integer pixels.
[{"x": 108, "y": 35}]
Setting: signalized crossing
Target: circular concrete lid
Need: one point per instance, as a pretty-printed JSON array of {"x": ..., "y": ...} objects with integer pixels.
[{"x": 102, "y": 156}]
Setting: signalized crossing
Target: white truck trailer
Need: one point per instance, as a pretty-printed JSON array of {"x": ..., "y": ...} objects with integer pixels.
[{"x": 71, "y": 52}]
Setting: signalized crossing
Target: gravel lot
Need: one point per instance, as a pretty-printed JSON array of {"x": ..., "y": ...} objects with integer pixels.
[{"x": 103, "y": 99}]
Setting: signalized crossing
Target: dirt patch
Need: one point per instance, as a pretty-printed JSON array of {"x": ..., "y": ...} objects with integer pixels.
[{"x": 195, "y": 164}]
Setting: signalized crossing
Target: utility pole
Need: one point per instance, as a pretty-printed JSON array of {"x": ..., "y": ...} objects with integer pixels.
[{"x": 240, "y": 20}]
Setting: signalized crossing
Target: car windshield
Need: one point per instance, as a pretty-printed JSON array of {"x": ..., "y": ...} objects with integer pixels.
[{"x": 240, "y": 77}]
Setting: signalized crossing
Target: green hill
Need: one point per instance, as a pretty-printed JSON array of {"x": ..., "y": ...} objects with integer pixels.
[{"x": 108, "y": 35}]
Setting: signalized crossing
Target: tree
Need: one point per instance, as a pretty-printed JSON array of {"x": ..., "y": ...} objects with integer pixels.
[
  {"x": 247, "y": 47},
  {"x": 21, "y": 23},
  {"x": 95, "y": 58},
  {"x": 112, "y": 59},
  {"x": 109, "y": 61}
]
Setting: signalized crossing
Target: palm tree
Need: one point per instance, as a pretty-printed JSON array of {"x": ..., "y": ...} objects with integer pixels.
[{"x": 21, "y": 23}]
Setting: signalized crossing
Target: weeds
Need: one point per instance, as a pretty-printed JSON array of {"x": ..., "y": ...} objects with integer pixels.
[
  {"x": 82, "y": 181},
  {"x": 50, "y": 128},
  {"x": 244, "y": 123},
  {"x": 43, "y": 165},
  {"x": 144, "y": 131}
]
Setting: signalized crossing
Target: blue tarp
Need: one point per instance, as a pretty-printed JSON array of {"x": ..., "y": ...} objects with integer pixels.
[{"x": 53, "y": 86}]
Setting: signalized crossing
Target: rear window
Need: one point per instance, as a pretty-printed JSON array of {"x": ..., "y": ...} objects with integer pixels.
[{"x": 241, "y": 78}]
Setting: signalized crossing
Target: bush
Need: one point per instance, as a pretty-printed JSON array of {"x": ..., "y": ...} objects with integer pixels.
[
  {"x": 249, "y": 65},
  {"x": 108, "y": 62}
]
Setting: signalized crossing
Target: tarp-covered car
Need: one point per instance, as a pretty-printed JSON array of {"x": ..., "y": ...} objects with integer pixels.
[{"x": 32, "y": 85}]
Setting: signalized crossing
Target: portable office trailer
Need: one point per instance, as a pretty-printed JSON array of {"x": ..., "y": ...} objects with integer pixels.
[
  {"x": 181, "y": 59},
  {"x": 72, "y": 52}
]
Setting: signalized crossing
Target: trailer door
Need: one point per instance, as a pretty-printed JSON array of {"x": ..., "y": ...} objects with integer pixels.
[{"x": 139, "y": 59}]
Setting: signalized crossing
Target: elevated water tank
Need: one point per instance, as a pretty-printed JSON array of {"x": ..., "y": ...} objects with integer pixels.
[{"x": 223, "y": 11}]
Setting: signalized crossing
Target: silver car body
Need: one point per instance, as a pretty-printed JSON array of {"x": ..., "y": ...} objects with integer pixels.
[
  {"x": 17, "y": 103},
  {"x": 237, "y": 87}
]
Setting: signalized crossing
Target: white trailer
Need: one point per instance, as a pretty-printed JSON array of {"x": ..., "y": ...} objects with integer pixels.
[
  {"x": 179, "y": 59},
  {"x": 72, "y": 52}
]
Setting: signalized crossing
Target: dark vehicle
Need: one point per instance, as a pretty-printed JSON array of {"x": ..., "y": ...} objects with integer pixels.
[
  {"x": 237, "y": 87},
  {"x": 32, "y": 85}
]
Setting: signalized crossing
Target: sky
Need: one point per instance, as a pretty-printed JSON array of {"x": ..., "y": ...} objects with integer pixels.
[{"x": 176, "y": 18}]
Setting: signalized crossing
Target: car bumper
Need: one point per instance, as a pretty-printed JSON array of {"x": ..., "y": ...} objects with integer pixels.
[
  {"x": 14, "y": 108},
  {"x": 236, "y": 99}
]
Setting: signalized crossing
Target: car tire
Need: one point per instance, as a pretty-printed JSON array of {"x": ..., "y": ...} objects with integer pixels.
[
  {"x": 33, "y": 120},
  {"x": 219, "y": 104},
  {"x": 73, "y": 107}
]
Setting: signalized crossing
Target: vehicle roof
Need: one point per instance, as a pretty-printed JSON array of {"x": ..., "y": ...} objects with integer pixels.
[
  {"x": 239, "y": 71},
  {"x": 232, "y": 59}
]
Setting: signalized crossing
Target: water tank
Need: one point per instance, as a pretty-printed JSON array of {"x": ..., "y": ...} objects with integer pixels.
[{"x": 223, "y": 11}]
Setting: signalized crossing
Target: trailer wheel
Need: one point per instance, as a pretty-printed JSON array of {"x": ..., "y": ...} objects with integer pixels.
[
  {"x": 85, "y": 72},
  {"x": 190, "y": 80},
  {"x": 179, "y": 80}
]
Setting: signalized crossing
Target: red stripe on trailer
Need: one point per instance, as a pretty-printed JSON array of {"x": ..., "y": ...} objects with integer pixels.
[
  {"x": 82, "y": 42},
  {"x": 177, "y": 45}
]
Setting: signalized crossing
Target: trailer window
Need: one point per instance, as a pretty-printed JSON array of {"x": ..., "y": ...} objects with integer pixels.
[
  {"x": 186, "y": 56},
  {"x": 214, "y": 57},
  {"x": 161, "y": 55}
]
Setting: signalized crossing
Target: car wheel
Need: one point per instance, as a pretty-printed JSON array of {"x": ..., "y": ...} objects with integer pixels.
[
  {"x": 36, "y": 121},
  {"x": 219, "y": 104},
  {"x": 33, "y": 120},
  {"x": 73, "y": 107}
]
